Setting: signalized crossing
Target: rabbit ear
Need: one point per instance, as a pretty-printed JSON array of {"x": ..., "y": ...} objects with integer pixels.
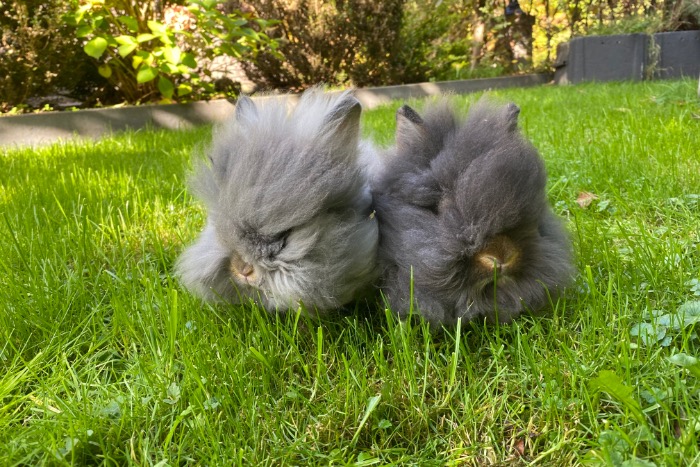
[
  {"x": 342, "y": 123},
  {"x": 511, "y": 112},
  {"x": 494, "y": 115},
  {"x": 407, "y": 113},
  {"x": 245, "y": 109},
  {"x": 409, "y": 126}
]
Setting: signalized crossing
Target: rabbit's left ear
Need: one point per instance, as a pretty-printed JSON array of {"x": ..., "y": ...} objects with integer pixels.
[
  {"x": 342, "y": 123},
  {"x": 409, "y": 126}
]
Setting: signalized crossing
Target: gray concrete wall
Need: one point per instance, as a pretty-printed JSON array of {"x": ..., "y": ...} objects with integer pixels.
[
  {"x": 606, "y": 58},
  {"x": 665, "y": 55},
  {"x": 49, "y": 127},
  {"x": 678, "y": 54}
]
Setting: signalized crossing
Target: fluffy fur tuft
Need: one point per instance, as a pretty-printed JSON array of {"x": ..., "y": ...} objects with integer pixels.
[
  {"x": 288, "y": 206},
  {"x": 462, "y": 211}
]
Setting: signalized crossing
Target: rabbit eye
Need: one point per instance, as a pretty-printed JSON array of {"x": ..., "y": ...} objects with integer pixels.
[
  {"x": 272, "y": 245},
  {"x": 433, "y": 209},
  {"x": 265, "y": 246},
  {"x": 281, "y": 239}
]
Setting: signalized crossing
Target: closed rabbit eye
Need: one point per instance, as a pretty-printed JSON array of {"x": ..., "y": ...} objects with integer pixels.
[
  {"x": 431, "y": 208},
  {"x": 265, "y": 246},
  {"x": 279, "y": 243},
  {"x": 269, "y": 246}
]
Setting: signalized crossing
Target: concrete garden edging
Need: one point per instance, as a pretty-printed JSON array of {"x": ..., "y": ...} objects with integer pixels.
[
  {"x": 679, "y": 54},
  {"x": 664, "y": 55},
  {"x": 50, "y": 127}
]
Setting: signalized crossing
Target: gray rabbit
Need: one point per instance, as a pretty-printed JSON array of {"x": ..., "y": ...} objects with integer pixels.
[
  {"x": 463, "y": 216},
  {"x": 289, "y": 207}
]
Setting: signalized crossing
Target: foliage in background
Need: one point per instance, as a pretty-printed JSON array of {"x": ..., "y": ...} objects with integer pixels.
[
  {"x": 630, "y": 16},
  {"x": 350, "y": 42},
  {"x": 359, "y": 43},
  {"x": 161, "y": 49},
  {"x": 461, "y": 38},
  {"x": 559, "y": 21},
  {"x": 465, "y": 38},
  {"x": 38, "y": 53},
  {"x": 685, "y": 16},
  {"x": 438, "y": 44}
]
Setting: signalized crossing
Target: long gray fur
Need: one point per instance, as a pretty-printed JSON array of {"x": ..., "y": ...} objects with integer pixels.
[
  {"x": 447, "y": 189},
  {"x": 286, "y": 191}
]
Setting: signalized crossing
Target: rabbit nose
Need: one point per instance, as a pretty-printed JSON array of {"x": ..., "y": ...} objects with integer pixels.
[
  {"x": 246, "y": 270},
  {"x": 490, "y": 262},
  {"x": 242, "y": 269},
  {"x": 500, "y": 255},
  {"x": 246, "y": 273}
]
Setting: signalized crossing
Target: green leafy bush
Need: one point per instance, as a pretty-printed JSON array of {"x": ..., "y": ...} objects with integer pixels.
[
  {"x": 37, "y": 52},
  {"x": 339, "y": 43},
  {"x": 627, "y": 25},
  {"x": 682, "y": 15},
  {"x": 453, "y": 39},
  {"x": 160, "y": 50},
  {"x": 362, "y": 42},
  {"x": 426, "y": 40}
]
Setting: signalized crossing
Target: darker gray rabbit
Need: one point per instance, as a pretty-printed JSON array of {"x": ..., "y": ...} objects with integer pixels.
[{"x": 463, "y": 215}]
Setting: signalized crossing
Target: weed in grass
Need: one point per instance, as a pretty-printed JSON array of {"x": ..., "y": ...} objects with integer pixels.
[{"x": 105, "y": 359}]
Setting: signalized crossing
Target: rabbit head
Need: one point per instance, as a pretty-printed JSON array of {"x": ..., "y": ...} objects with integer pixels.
[
  {"x": 463, "y": 216},
  {"x": 289, "y": 206}
]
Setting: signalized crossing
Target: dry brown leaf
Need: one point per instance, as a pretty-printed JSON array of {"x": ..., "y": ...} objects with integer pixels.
[{"x": 585, "y": 199}]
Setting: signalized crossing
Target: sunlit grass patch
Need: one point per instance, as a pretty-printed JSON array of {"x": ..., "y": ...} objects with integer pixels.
[{"x": 104, "y": 358}]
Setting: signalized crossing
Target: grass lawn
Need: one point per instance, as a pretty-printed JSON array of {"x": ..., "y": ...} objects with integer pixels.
[{"x": 104, "y": 358}]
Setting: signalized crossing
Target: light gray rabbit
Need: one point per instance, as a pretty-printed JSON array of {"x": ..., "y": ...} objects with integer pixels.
[
  {"x": 463, "y": 213},
  {"x": 289, "y": 207}
]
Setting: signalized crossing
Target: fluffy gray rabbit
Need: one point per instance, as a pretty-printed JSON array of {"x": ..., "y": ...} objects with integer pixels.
[
  {"x": 463, "y": 213},
  {"x": 289, "y": 207}
]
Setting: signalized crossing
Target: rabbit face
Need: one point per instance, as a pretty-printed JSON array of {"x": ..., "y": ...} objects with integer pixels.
[
  {"x": 463, "y": 213},
  {"x": 288, "y": 207}
]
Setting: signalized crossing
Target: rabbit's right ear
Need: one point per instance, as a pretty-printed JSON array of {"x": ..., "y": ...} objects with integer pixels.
[
  {"x": 410, "y": 127},
  {"x": 246, "y": 110},
  {"x": 490, "y": 114},
  {"x": 511, "y": 112}
]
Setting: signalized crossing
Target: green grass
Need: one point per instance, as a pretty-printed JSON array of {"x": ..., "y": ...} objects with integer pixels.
[{"x": 104, "y": 358}]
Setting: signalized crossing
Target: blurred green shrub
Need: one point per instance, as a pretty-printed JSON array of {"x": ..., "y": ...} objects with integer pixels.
[
  {"x": 338, "y": 43},
  {"x": 38, "y": 53},
  {"x": 455, "y": 39},
  {"x": 364, "y": 42},
  {"x": 167, "y": 49},
  {"x": 426, "y": 40},
  {"x": 682, "y": 15},
  {"x": 158, "y": 50}
]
